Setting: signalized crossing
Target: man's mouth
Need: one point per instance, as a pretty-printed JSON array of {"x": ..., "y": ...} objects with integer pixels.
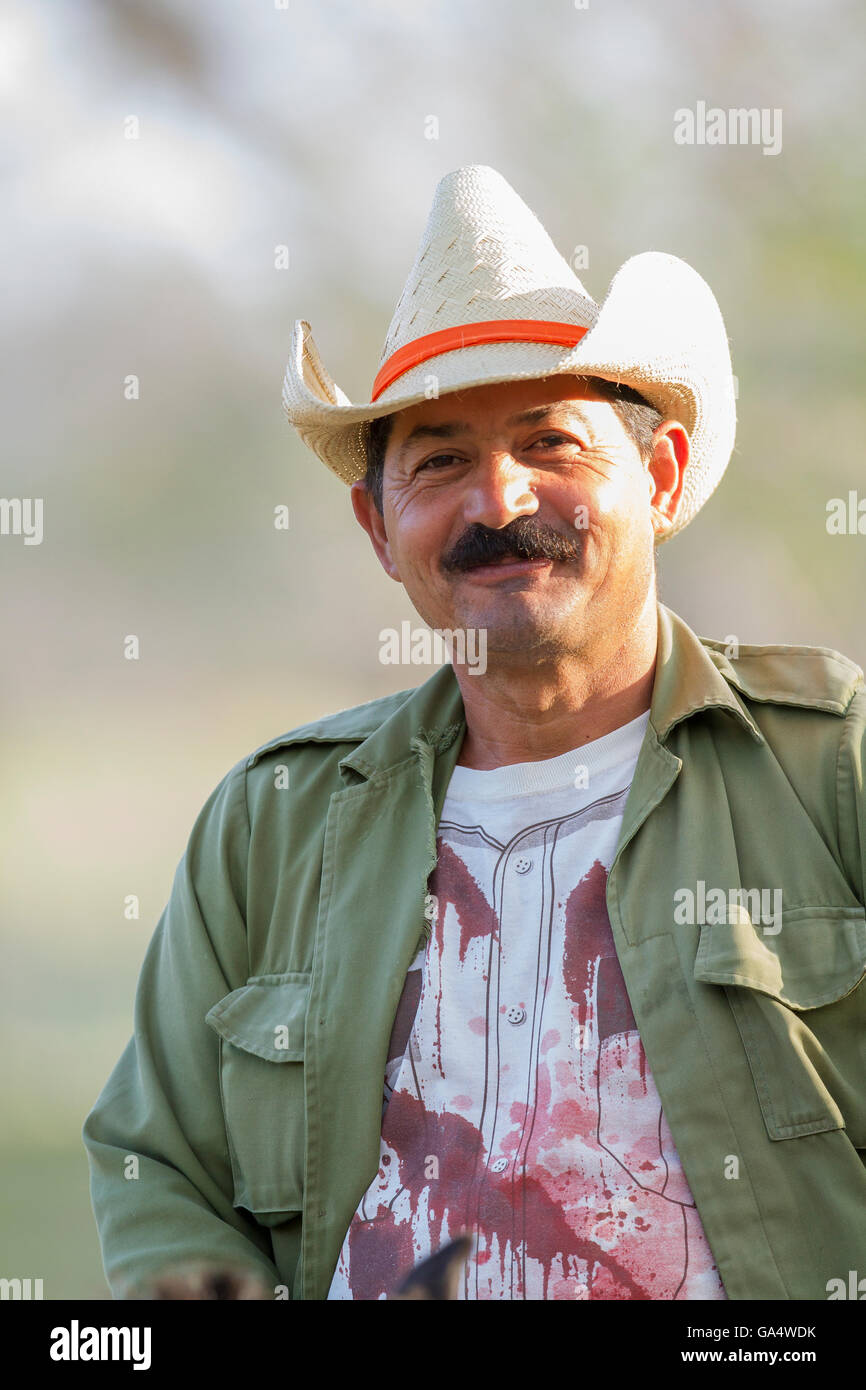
[
  {"x": 507, "y": 564},
  {"x": 513, "y": 559}
]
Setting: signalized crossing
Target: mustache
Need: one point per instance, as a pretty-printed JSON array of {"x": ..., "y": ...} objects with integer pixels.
[{"x": 524, "y": 538}]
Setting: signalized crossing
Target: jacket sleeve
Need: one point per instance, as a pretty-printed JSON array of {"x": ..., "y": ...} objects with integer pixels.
[
  {"x": 160, "y": 1172},
  {"x": 851, "y": 793}
]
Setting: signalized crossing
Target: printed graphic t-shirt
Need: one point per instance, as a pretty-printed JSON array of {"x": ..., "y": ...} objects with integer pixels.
[{"x": 518, "y": 1103}]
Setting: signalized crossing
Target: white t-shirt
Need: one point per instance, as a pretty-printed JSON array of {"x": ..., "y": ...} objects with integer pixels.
[{"x": 518, "y": 1104}]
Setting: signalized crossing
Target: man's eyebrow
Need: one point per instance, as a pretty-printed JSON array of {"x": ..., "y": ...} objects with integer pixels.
[
  {"x": 541, "y": 412},
  {"x": 451, "y": 428}
]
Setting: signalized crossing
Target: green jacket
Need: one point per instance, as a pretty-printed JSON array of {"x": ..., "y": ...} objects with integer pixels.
[{"x": 251, "y": 1091}]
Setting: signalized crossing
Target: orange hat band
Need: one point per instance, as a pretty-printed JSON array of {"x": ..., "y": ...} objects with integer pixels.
[{"x": 467, "y": 335}]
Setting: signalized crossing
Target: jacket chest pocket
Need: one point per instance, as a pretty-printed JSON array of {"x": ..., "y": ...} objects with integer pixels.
[
  {"x": 799, "y": 1001},
  {"x": 261, "y": 1030}
]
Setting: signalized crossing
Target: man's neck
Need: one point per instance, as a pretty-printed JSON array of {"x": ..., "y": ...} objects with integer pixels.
[{"x": 528, "y": 715}]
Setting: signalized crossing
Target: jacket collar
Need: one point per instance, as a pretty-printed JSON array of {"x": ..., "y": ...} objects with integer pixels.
[
  {"x": 432, "y": 715},
  {"x": 689, "y": 678}
]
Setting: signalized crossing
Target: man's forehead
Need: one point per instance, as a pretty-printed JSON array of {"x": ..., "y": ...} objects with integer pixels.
[{"x": 513, "y": 402}]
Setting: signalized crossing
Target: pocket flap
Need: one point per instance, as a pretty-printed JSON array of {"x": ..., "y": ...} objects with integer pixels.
[
  {"x": 266, "y": 1016},
  {"x": 814, "y": 956}
]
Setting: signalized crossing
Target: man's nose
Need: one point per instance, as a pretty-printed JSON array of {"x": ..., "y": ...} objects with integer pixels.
[{"x": 500, "y": 489}]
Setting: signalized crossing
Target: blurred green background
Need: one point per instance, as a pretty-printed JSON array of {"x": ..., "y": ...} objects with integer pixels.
[{"x": 304, "y": 125}]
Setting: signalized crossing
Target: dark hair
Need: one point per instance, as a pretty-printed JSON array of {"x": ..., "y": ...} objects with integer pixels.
[{"x": 639, "y": 419}]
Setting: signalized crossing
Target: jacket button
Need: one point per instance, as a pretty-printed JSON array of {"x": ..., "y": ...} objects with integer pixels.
[
  {"x": 516, "y": 1014},
  {"x": 500, "y": 1165},
  {"x": 522, "y": 865}
]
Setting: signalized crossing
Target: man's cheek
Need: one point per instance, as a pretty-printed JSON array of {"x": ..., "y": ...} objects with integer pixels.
[{"x": 610, "y": 497}]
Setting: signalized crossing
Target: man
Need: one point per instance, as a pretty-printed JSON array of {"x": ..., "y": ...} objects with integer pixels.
[{"x": 564, "y": 949}]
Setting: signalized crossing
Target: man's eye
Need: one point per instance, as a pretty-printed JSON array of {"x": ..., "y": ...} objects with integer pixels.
[
  {"x": 442, "y": 460},
  {"x": 552, "y": 440}
]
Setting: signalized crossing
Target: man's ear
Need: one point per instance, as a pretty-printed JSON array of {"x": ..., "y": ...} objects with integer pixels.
[
  {"x": 373, "y": 522},
  {"x": 670, "y": 455}
]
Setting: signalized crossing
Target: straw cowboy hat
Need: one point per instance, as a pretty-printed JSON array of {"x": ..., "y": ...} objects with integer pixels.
[{"x": 490, "y": 299}]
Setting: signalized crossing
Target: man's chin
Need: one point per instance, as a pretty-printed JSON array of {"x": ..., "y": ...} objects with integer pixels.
[{"x": 524, "y": 627}]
